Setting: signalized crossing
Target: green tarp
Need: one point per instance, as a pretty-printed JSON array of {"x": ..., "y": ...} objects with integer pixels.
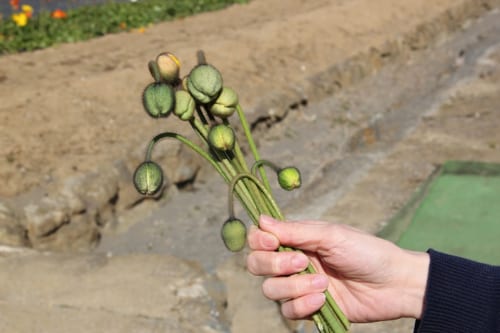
[{"x": 457, "y": 211}]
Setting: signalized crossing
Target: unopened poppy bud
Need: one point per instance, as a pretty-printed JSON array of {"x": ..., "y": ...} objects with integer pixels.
[
  {"x": 234, "y": 234},
  {"x": 184, "y": 105},
  {"x": 148, "y": 178},
  {"x": 169, "y": 67},
  {"x": 225, "y": 105},
  {"x": 158, "y": 99},
  {"x": 289, "y": 178},
  {"x": 204, "y": 83},
  {"x": 221, "y": 137}
]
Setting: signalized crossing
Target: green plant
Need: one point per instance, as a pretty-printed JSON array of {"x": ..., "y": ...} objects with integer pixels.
[
  {"x": 46, "y": 29},
  {"x": 202, "y": 100}
]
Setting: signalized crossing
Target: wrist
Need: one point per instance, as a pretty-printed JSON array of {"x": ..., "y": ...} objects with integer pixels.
[{"x": 415, "y": 274}]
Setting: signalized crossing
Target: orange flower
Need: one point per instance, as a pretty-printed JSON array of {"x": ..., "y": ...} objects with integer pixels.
[
  {"x": 59, "y": 14},
  {"x": 141, "y": 30},
  {"x": 14, "y": 4}
]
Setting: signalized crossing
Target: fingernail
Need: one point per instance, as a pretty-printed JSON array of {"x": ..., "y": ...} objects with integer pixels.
[
  {"x": 319, "y": 282},
  {"x": 299, "y": 261},
  {"x": 316, "y": 300}
]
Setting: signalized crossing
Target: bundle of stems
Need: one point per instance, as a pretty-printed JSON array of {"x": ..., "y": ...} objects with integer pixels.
[{"x": 207, "y": 106}]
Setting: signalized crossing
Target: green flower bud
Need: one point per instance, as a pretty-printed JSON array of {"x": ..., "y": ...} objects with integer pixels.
[
  {"x": 234, "y": 234},
  {"x": 221, "y": 137},
  {"x": 184, "y": 105},
  {"x": 158, "y": 99},
  {"x": 204, "y": 83},
  {"x": 225, "y": 105},
  {"x": 289, "y": 178},
  {"x": 169, "y": 67},
  {"x": 148, "y": 178}
]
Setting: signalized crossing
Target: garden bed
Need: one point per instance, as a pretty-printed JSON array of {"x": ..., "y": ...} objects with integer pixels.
[{"x": 26, "y": 29}]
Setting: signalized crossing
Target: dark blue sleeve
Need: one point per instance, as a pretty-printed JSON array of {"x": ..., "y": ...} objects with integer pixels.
[{"x": 462, "y": 296}]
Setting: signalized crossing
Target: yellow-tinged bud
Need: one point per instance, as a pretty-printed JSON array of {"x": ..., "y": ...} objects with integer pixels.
[
  {"x": 221, "y": 137},
  {"x": 234, "y": 234},
  {"x": 169, "y": 67},
  {"x": 289, "y": 178},
  {"x": 204, "y": 83},
  {"x": 148, "y": 178},
  {"x": 225, "y": 105},
  {"x": 158, "y": 99},
  {"x": 184, "y": 105}
]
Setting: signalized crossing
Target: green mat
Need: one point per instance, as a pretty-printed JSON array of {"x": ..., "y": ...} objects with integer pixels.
[{"x": 456, "y": 211}]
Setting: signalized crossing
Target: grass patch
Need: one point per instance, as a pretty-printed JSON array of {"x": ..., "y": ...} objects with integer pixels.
[{"x": 87, "y": 22}]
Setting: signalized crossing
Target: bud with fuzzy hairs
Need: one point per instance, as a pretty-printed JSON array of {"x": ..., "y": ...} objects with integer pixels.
[
  {"x": 234, "y": 234},
  {"x": 158, "y": 99},
  {"x": 148, "y": 178},
  {"x": 221, "y": 137},
  {"x": 289, "y": 178},
  {"x": 204, "y": 83},
  {"x": 225, "y": 105},
  {"x": 184, "y": 105}
]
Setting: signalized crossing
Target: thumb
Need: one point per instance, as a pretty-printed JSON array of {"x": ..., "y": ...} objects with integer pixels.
[{"x": 304, "y": 235}]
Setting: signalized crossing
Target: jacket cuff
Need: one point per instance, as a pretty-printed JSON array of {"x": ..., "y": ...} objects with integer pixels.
[{"x": 461, "y": 296}]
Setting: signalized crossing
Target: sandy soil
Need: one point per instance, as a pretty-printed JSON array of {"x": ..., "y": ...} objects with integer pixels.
[{"x": 70, "y": 108}]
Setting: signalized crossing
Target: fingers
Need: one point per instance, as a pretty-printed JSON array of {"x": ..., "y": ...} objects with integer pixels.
[
  {"x": 276, "y": 263},
  {"x": 303, "y": 307},
  {"x": 295, "y": 286},
  {"x": 261, "y": 240},
  {"x": 306, "y": 235}
]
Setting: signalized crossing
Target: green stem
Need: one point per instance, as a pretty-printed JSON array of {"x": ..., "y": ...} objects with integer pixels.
[
  {"x": 260, "y": 163},
  {"x": 190, "y": 144},
  {"x": 331, "y": 303},
  {"x": 333, "y": 319},
  {"x": 199, "y": 111},
  {"x": 200, "y": 56},
  {"x": 275, "y": 209},
  {"x": 251, "y": 143},
  {"x": 245, "y": 196},
  {"x": 242, "y": 167}
]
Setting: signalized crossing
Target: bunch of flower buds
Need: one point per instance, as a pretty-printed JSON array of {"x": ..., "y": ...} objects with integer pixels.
[{"x": 201, "y": 99}]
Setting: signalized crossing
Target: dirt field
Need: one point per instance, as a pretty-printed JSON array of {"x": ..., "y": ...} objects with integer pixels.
[
  {"x": 365, "y": 97},
  {"x": 68, "y": 109}
]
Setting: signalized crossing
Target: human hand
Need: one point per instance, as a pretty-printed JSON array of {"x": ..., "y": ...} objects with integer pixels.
[{"x": 371, "y": 279}]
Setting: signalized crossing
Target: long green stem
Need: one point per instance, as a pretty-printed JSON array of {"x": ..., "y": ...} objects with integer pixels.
[
  {"x": 246, "y": 198},
  {"x": 331, "y": 302},
  {"x": 255, "y": 153},
  {"x": 245, "y": 201},
  {"x": 275, "y": 209},
  {"x": 188, "y": 143},
  {"x": 242, "y": 167},
  {"x": 251, "y": 143},
  {"x": 260, "y": 163}
]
